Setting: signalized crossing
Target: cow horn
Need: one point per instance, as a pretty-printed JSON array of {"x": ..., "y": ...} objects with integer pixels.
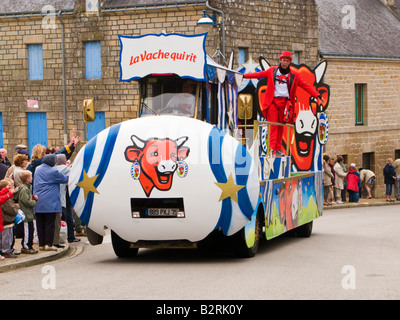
[
  {"x": 264, "y": 64},
  {"x": 138, "y": 142},
  {"x": 319, "y": 70}
]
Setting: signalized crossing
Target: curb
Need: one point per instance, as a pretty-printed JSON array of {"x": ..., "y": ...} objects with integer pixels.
[
  {"x": 348, "y": 205},
  {"x": 26, "y": 260}
]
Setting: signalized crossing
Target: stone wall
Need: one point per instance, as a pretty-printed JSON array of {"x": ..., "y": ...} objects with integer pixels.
[
  {"x": 118, "y": 100},
  {"x": 269, "y": 27},
  {"x": 381, "y": 130},
  {"x": 257, "y": 25}
]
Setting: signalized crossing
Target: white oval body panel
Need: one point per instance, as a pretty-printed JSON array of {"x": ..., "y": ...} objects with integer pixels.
[{"x": 164, "y": 157}]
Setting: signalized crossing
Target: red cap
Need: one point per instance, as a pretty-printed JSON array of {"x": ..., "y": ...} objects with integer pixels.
[{"x": 286, "y": 55}]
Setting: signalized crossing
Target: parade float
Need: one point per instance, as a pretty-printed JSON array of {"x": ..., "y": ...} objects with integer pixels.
[{"x": 196, "y": 162}]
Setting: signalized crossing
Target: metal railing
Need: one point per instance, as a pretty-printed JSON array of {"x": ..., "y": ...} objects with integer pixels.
[{"x": 257, "y": 124}]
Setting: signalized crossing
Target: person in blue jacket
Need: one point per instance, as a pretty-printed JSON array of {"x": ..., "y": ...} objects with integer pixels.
[
  {"x": 47, "y": 188},
  {"x": 389, "y": 178}
]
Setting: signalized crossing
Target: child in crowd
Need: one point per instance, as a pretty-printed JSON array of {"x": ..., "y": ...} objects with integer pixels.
[
  {"x": 353, "y": 183},
  {"x": 8, "y": 212},
  {"x": 27, "y": 202}
]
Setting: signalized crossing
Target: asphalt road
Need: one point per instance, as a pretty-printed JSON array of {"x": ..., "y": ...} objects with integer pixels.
[{"x": 352, "y": 254}]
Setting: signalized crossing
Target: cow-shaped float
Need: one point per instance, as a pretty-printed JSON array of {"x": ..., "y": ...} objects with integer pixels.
[{"x": 123, "y": 181}]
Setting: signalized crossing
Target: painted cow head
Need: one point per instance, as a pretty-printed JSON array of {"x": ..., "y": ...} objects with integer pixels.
[
  {"x": 289, "y": 203},
  {"x": 158, "y": 160},
  {"x": 306, "y": 110}
]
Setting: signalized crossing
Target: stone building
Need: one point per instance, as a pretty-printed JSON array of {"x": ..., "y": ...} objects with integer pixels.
[
  {"x": 360, "y": 40},
  {"x": 55, "y": 53}
]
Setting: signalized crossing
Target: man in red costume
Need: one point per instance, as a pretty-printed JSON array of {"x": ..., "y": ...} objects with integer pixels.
[{"x": 282, "y": 84}]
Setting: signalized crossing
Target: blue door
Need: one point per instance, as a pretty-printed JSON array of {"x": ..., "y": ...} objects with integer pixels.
[
  {"x": 93, "y": 128},
  {"x": 37, "y": 129}
]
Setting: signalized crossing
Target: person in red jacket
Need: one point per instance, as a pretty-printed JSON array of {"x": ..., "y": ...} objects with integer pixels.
[
  {"x": 353, "y": 183},
  {"x": 282, "y": 82},
  {"x": 5, "y": 194}
]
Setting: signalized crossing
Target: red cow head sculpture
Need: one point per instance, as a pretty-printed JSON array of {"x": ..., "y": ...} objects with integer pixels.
[
  {"x": 306, "y": 111},
  {"x": 157, "y": 159}
]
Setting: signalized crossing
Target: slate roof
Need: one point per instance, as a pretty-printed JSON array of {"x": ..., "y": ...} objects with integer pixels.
[
  {"x": 122, "y": 3},
  {"x": 19, "y": 6},
  {"x": 376, "y": 33},
  {"x": 13, "y": 7}
]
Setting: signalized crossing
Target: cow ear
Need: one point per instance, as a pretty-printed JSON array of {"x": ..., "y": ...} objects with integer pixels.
[
  {"x": 181, "y": 141},
  {"x": 324, "y": 92},
  {"x": 132, "y": 154},
  {"x": 183, "y": 153}
]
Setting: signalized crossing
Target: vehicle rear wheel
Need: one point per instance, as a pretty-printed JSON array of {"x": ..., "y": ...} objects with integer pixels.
[
  {"x": 246, "y": 247},
  {"x": 122, "y": 248},
  {"x": 305, "y": 230},
  {"x": 93, "y": 237}
]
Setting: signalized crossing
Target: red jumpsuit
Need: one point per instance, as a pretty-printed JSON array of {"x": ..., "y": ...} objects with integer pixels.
[{"x": 273, "y": 107}]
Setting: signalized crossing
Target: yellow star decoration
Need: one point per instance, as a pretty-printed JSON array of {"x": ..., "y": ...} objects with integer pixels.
[
  {"x": 229, "y": 189},
  {"x": 87, "y": 184}
]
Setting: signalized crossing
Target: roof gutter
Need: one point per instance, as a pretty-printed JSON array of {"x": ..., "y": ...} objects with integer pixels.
[
  {"x": 31, "y": 14},
  {"x": 357, "y": 57},
  {"x": 152, "y": 6}
]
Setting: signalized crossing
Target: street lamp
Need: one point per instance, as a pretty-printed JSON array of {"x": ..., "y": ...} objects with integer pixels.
[{"x": 207, "y": 19}]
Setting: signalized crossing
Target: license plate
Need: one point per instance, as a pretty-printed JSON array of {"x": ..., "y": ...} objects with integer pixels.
[{"x": 162, "y": 212}]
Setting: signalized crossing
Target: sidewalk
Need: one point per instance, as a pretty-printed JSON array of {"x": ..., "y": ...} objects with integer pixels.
[
  {"x": 27, "y": 260},
  {"x": 362, "y": 203}
]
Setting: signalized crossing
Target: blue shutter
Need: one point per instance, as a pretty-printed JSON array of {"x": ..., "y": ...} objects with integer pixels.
[
  {"x": 92, "y": 60},
  {"x": 37, "y": 129},
  {"x": 35, "y": 61},
  {"x": 99, "y": 124}
]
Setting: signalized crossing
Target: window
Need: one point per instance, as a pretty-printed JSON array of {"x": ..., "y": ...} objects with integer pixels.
[
  {"x": 243, "y": 55},
  {"x": 296, "y": 57},
  {"x": 35, "y": 61},
  {"x": 368, "y": 160},
  {"x": 92, "y": 60},
  {"x": 170, "y": 95},
  {"x": 360, "y": 91},
  {"x": 92, "y": 5}
]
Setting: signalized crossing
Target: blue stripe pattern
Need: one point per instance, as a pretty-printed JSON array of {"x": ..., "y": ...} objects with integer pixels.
[
  {"x": 101, "y": 169},
  {"x": 87, "y": 161},
  {"x": 242, "y": 175},
  {"x": 215, "y": 141}
]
